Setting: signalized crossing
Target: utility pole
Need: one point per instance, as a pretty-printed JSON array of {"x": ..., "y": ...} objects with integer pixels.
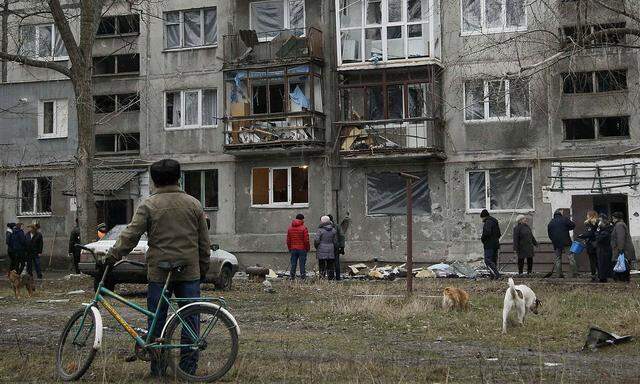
[{"x": 410, "y": 179}]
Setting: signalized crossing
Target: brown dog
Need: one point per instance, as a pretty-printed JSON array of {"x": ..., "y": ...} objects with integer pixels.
[
  {"x": 455, "y": 298},
  {"x": 18, "y": 282}
]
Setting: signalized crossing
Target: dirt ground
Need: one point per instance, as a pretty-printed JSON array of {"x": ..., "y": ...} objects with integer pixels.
[{"x": 347, "y": 333}]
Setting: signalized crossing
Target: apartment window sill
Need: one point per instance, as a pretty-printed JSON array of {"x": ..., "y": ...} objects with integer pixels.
[
  {"x": 190, "y": 128},
  {"x": 117, "y": 74},
  {"x": 181, "y": 49},
  {"x": 277, "y": 206},
  {"x": 497, "y": 120},
  {"x": 134, "y": 34},
  {"x": 47, "y": 137},
  {"x": 492, "y": 31}
]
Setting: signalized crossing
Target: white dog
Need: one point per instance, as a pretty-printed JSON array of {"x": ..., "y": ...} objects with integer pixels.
[{"x": 523, "y": 298}]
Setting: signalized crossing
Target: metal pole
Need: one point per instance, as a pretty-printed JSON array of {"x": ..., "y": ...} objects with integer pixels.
[{"x": 409, "y": 237}]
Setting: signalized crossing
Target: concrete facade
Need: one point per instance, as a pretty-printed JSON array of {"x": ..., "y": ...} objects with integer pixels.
[{"x": 396, "y": 135}]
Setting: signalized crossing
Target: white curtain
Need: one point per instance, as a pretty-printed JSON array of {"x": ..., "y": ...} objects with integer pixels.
[
  {"x": 191, "y": 108},
  {"x": 192, "y": 36},
  {"x": 172, "y": 29},
  {"x": 474, "y": 100},
  {"x": 267, "y": 16},
  {"x": 210, "y": 26}
]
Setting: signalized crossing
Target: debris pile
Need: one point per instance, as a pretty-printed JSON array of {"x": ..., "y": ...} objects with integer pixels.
[{"x": 389, "y": 272}]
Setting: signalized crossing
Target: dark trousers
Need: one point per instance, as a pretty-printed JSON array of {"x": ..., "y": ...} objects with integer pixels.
[
  {"x": 298, "y": 256},
  {"x": 521, "y": 265},
  {"x": 13, "y": 261},
  {"x": 336, "y": 264},
  {"x": 327, "y": 268},
  {"x": 604, "y": 267},
  {"x": 593, "y": 261},
  {"x": 21, "y": 260},
  {"x": 490, "y": 260},
  {"x": 33, "y": 262},
  {"x": 188, "y": 357},
  {"x": 76, "y": 261}
]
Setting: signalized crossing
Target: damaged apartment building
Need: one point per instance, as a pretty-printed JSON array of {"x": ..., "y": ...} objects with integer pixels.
[{"x": 279, "y": 107}]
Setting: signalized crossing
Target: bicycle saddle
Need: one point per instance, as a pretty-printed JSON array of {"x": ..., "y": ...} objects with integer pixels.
[{"x": 172, "y": 265}]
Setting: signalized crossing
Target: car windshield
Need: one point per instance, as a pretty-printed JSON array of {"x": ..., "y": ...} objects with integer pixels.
[{"x": 115, "y": 232}]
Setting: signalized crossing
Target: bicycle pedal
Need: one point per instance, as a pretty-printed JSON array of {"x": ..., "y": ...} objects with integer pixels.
[{"x": 130, "y": 358}]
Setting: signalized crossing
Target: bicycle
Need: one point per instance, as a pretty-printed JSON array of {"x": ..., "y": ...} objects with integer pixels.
[{"x": 181, "y": 345}]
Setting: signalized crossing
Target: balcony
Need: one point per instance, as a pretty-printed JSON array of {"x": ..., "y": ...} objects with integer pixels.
[
  {"x": 256, "y": 135},
  {"x": 248, "y": 48},
  {"x": 398, "y": 138}
]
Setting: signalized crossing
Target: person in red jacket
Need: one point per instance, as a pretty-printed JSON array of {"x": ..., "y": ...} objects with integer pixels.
[{"x": 298, "y": 245}]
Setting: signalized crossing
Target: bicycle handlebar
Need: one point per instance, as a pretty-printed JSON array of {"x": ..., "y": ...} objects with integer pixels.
[{"x": 95, "y": 258}]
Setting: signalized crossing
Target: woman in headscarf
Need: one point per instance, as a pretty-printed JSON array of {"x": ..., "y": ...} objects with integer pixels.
[
  {"x": 326, "y": 241},
  {"x": 524, "y": 243}
]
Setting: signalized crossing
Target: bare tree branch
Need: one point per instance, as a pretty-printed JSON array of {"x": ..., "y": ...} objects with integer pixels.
[
  {"x": 65, "y": 32},
  {"x": 35, "y": 63},
  {"x": 618, "y": 11}
]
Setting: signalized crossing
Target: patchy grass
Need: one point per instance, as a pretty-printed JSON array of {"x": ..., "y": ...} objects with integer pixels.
[{"x": 323, "y": 333}]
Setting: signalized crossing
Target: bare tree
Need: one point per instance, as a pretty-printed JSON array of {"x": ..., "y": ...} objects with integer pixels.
[{"x": 80, "y": 73}]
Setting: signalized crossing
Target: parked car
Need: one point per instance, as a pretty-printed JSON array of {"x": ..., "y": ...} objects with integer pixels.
[{"x": 222, "y": 266}]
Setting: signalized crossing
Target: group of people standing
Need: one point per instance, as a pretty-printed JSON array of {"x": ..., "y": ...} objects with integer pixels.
[
  {"x": 329, "y": 242},
  {"x": 604, "y": 241},
  {"x": 24, "y": 249}
]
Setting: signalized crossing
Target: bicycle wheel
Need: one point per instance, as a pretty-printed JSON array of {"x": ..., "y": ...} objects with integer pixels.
[
  {"x": 76, "y": 346},
  {"x": 216, "y": 352}
]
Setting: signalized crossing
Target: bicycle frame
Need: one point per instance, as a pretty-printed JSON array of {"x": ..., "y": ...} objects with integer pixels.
[{"x": 100, "y": 298}]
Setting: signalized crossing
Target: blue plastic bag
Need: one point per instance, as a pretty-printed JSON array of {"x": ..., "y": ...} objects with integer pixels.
[{"x": 621, "y": 265}]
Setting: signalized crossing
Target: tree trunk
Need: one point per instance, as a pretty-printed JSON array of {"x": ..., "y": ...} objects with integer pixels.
[{"x": 82, "y": 85}]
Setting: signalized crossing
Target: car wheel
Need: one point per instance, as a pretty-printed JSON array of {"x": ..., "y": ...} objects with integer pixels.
[{"x": 225, "y": 279}]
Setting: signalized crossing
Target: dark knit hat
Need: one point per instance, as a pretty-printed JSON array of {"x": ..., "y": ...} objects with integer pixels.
[{"x": 484, "y": 213}]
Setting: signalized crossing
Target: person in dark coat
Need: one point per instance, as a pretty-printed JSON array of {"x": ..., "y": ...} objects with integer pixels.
[
  {"x": 589, "y": 236},
  {"x": 558, "y": 231},
  {"x": 19, "y": 244},
  {"x": 298, "y": 245},
  {"x": 74, "y": 252},
  {"x": 339, "y": 248},
  {"x": 13, "y": 262},
  {"x": 621, "y": 243},
  {"x": 326, "y": 241},
  {"x": 523, "y": 243},
  {"x": 34, "y": 249},
  {"x": 491, "y": 242},
  {"x": 603, "y": 248}
]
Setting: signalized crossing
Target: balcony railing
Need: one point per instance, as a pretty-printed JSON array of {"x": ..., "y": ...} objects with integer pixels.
[
  {"x": 413, "y": 136},
  {"x": 287, "y": 45},
  {"x": 296, "y": 129}
]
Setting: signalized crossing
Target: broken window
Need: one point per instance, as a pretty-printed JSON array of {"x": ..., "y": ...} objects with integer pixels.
[
  {"x": 116, "y": 64},
  {"x": 117, "y": 142},
  {"x": 35, "y": 196},
  {"x": 502, "y": 189},
  {"x": 493, "y": 16},
  {"x": 42, "y": 42},
  {"x": 203, "y": 185},
  {"x": 579, "y": 129},
  {"x": 280, "y": 186},
  {"x": 270, "y": 17},
  {"x": 387, "y": 194},
  {"x": 496, "y": 99},
  {"x": 118, "y": 25},
  {"x": 53, "y": 119},
  {"x": 191, "y": 108},
  {"x": 191, "y": 28},
  {"x": 612, "y": 80},
  {"x": 575, "y": 35},
  {"x": 614, "y": 126},
  {"x": 392, "y": 30},
  {"x": 116, "y": 103}
]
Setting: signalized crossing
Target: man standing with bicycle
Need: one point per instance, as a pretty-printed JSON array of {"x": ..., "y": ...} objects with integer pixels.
[{"x": 177, "y": 233}]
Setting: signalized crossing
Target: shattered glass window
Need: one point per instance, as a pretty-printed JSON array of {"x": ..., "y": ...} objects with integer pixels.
[
  {"x": 374, "y": 12},
  {"x": 27, "y": 195},
  {"x": 267, "y": 17},
  {"x": 373, "y": 43},
  {"x": 579, "y": 129},
  {"x": 613, "y": 126},
  {"x": 497, "y": 101},
  {"x": 395, "y": 43},
  {"x": 387, "y": 194},
  {"x": 173, "y": 109},
  {"x": 511, "y": 188},
  {"x": 350, "y": 13},
  {"x": 395, "y": 101},
  {"x": 613, "y": 80},
  {"x": 477, "y": 193},
  {"x": 375, "y": 98}
]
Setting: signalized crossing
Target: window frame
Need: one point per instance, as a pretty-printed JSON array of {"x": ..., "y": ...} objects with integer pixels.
[
  {"x": 116, "y": 101},
  {"x": 596, "y": 127},
  {"x": 182, "y": 125},
  {"x": 116, "y": 26},
  {"x": 486, "y": 101},
  {"x": 36, "y": 43},
  {"x": 288, "y": 203},
  {"x": 384, "y": 25},
  {"x": 115, "y": 66},
  {"x": 180, "y": 23},
  {"x": 57, "y": 133},
  {"x": 286, "y": 17},
  {"x": 116, "y": 144},
  {"x": 203, "y": 186},
  {"x": 487, "y": 190},
  {"x": 594, "y": 82},
  {"x": 36, "y": 190},
  {"x": 488, "y": 31}
]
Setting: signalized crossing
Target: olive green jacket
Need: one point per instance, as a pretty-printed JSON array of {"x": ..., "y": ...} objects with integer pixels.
[{"x": 176, "y": 230}]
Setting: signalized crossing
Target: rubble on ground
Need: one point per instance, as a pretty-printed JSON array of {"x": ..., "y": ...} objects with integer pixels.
[{"x": 598, "y": 338}]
